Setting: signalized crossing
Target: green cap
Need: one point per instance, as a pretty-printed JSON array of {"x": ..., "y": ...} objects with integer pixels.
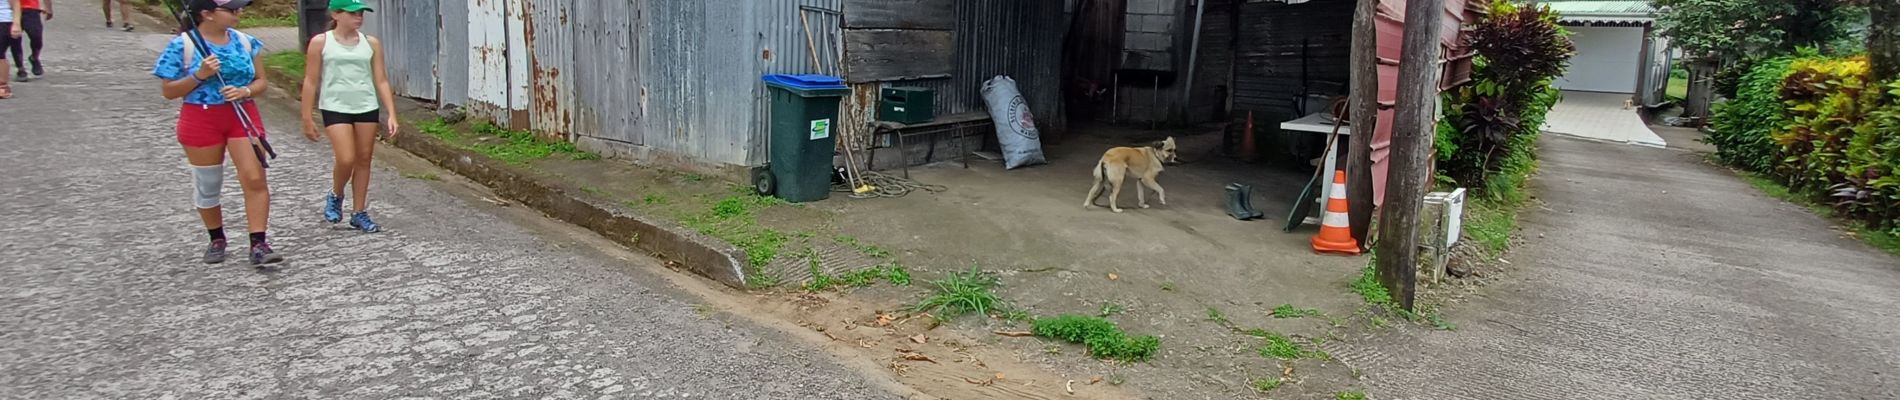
[{"x": 349, "y": 5}]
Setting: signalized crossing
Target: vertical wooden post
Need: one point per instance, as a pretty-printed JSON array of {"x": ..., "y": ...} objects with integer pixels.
[
  {"x": 1364, "y": 95},
  {"x": 1414, "y": 123}
]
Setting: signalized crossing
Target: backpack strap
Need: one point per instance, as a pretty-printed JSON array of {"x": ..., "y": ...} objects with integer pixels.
[{"x": 191, "y": 49}]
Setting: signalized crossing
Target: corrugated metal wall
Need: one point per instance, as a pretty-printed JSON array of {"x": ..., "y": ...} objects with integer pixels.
[
  {"x": 488, "y": 59},
  {"x": 681, "y": 77},
  {"x": 1285, "y": 49},
  {"x": 452, "y": 51},
  {"x": 1214, "y": 61},
  {"x": 610, "y": 104},
  {"x": 407, "y": 27},
  {"x": 1020, "y": 39},
  {"x": 551, "y": 41}
]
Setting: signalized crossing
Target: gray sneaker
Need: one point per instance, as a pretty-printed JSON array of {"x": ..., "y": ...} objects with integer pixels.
[
  {"x": 261, "y": 254},
  {"x": 215, "y": 252}
]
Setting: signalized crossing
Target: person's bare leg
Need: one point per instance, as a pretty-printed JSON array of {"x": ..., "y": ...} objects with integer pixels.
[
  {"x": 365, "y": 150},
  {"x": 251, "y": 177},
  {"x": 343, "y": 147}
]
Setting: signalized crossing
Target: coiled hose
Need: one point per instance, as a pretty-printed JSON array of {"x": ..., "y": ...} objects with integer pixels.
[{"x": 885, "y": 186}]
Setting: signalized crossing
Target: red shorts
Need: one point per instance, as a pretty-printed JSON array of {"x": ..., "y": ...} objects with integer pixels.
[{"x": 211, "y": 125}]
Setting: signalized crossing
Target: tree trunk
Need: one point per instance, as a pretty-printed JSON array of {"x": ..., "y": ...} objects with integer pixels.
[
  {"x": 1701, "y": 90},
  {"x": 1364, "y": 66},
  {"x": 1414, "y": 123},
  {"x": 1883, "y": 39}
]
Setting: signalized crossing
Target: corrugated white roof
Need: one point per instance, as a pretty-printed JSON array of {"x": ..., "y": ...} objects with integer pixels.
[{"x": 1602, "y": 11}]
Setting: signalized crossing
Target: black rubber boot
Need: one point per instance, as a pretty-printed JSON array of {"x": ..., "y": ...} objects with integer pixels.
[
  {"x": 1246, "y": 202},
  {"x": 1237, "y": 202}
]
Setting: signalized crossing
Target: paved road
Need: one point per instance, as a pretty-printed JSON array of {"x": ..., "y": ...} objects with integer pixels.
[
  {"x": 101, "y": 294},
  {"x": 1652, "y": 275}
]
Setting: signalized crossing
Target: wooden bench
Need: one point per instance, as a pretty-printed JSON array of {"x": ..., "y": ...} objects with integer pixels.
[{"x": 897, "y": 135}]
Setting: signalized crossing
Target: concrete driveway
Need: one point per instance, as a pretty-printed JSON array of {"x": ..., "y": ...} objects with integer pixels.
[
  {"x": 1600, "y": 116},
  {"x": 1650, "y": 274}
]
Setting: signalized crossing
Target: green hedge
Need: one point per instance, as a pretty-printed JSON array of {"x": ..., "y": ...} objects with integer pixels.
[
  {"x": 1742, "y": 127},
  {"x": 1819, "y": 126}
]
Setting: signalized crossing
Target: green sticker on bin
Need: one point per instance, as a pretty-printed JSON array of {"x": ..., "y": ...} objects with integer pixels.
[{"x": 820, "y": 128}]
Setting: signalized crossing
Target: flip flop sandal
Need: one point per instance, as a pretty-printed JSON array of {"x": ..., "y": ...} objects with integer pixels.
[{"x": 6, "y": 91}]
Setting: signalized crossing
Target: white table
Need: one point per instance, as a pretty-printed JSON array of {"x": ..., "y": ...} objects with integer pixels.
[{"x": 1320, "y": 123}]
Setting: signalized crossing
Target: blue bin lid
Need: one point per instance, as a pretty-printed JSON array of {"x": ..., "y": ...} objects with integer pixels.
[{"x": 807, "y": 81}]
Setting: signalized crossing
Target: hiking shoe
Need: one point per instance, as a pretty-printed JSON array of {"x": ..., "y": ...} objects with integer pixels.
[
  {"x": 361, "y": 221},
  {"x": 332, "y": 208},
  {"x": 21, "y": 76},
  {"x": 215, "y": 252},
  {"x": 38, "y": 71},
  {"x": 261, "y": 254}
]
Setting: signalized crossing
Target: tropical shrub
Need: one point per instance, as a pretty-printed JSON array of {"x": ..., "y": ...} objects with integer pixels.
[
  {"x": 1741, "y": 128},
  {"x": 1487, "y": 140},
  {"x": 1841, "y": 139}
]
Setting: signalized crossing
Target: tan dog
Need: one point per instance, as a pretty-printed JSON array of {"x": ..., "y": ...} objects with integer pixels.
[{"x": 1144, "y": 162}]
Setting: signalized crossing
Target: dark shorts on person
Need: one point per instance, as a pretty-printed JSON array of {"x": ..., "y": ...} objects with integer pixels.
[
  {"x": 211, "y": 125},
  {"x": 333, "y": 118}
]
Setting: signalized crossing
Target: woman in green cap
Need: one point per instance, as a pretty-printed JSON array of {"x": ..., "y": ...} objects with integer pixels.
[{"x": 344, "y": 81}]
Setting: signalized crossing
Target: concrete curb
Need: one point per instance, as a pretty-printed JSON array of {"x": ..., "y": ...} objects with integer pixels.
[
  {"x": 707, "y": 256},
  {"x": 701, "y": 254}
]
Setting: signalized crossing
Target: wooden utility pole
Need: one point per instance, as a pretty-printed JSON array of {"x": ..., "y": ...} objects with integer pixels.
[
  {"x": 1414, "y": 123},
  {"x": 1364, "y": 95}
]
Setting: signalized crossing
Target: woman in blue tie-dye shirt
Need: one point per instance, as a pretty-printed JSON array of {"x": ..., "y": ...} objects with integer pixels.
[{"x": 215, "y": 86}]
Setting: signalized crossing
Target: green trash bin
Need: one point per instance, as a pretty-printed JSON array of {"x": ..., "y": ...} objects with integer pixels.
[{"x": 804, "y": 114}]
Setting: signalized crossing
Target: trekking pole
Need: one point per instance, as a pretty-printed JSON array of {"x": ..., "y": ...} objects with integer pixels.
[{"x": 259, "y": 145}]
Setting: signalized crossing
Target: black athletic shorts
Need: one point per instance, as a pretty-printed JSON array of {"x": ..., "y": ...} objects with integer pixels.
[{"x": 333, "y": 118}]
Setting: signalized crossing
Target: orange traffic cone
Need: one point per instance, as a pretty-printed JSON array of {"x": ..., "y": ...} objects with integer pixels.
[{"x": 1335, "y": 233}]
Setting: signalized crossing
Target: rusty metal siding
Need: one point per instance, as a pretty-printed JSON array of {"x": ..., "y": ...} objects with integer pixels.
[
  {"x": 488, "y": 59},
  {"x": 551, "y": 42},
  {"x": 452, "y": 51}
]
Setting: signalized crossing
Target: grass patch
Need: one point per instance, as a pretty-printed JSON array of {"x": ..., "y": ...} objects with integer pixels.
[
  {"x": 1282, "y": 347},
  {"x": 894, "y": 274},
  {"x": 422, "y": 176},
  {"x": 1678, "y": 88},
  {"x": 1109, "y": 309},
  {"x": 439, "y": 129},
  {"x": 517, "y": 146},
  {"x": 1214, "y": 314},
  {"x": 1167, "y": 286},
  {"x": 1888, "y": 241},
  {"x": 962, "y": 293},
  {"x": 1350, "y": 395},
  {"x": 869, "y": 250},
  {"x": 1288, "y": 311},
  {"x": 1266, "y": 384},
  {"x": 1103, "y": 338},
  {"x": 1490, "y": 223},
  {"x": 1368, "y": 287},
  {"x": 288, "y": 63},
  {"x": 259, "y": 21},
  {"x": 585, "y": 156}
]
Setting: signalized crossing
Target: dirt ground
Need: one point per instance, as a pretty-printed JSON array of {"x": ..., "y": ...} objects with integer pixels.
[
  {"x": 1176, "y": 267},
  {"x": 1203, "y": 282}
]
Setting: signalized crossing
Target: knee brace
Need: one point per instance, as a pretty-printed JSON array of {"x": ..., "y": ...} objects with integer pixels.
[{"x": 207, "y": 182}]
